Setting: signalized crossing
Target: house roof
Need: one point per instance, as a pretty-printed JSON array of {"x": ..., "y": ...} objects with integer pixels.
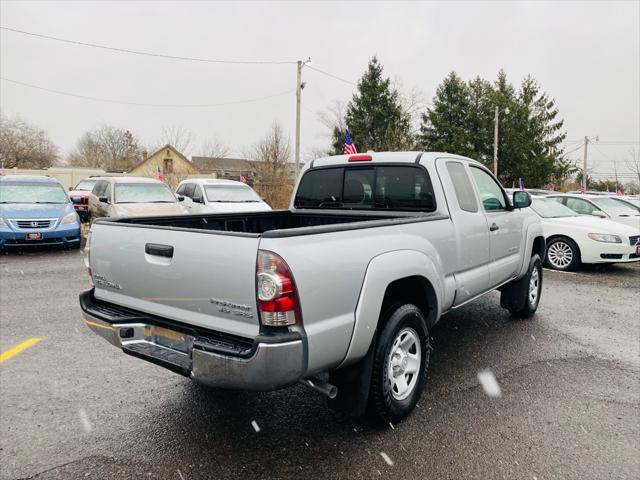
[
  {"x": 211, "y": 164},
  {"x": 171, "y": 147}
]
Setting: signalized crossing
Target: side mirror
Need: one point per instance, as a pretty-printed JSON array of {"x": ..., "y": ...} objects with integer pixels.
[
  {"x": 197, "y": 200},
  {"x": 521, "y": 199},
  {"x": 180, "y": 198},
  {"x": 599, "y": 214},
  {"x": 103, "y": 199},
  {"x": 70, "y": 189}
]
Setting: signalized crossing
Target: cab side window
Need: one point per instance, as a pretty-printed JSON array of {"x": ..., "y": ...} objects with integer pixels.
[
  {"x": 491, "y": 193},
  {"x": 197, "y": 193},
  {"x": 99, "y": 188},
  {"x": 181, "y": 189},
  {"x": 188, "y": 190},
  {"x": 462, "y": 185}
]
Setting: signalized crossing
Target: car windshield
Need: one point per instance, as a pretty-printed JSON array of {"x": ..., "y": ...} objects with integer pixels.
[
  {"x": 614, "y": 207},
  {"x": 24, "y": 192},
  {"x": 551, "y": 209},
  {"x": 231, "y": 193},
  {"x": 86, "y": 185},
  {"x": 144, "y": 193}
]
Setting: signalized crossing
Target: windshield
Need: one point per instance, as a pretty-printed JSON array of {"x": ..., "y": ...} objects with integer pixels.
[
  {"x": 86, "y": 185},
  {"x": 614, "y": 207},
  {"x": 551, "y": 209},
  {"x": 144, "y": 193},
  {"x": 231, "y": 193},
  {"x": 32, "y": 193}
]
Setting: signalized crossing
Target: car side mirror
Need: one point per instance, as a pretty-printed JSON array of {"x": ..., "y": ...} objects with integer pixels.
[
  {"x": 180, "y": 198},
  {"x": 599, "y": 214},
  {"x": 197, "y": 200},
  {"x": 103, "y": 199},
  {"x": 71, "y": 189},
  {"x": 521, "y": 199}
]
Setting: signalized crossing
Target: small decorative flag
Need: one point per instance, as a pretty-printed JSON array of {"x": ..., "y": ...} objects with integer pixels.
[
  {"x": 243, "y": 179},
  {"x": 618, "y": 190},
  {"x": 349, "y": 146},
  {"x": 583, "y": 190},
  {"x": 521, "y": 184},
  {"x": 159, "y": 175}
]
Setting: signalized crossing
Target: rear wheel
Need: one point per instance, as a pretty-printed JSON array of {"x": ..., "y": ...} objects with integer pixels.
[
  {"x": 562, "y": 254},
  {"x": 400, "y": 363}
]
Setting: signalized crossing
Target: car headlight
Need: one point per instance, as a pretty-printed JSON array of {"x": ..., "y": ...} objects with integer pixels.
[
  {"x": 604, "y": 237},
  {"x": 69, "y": 218}
]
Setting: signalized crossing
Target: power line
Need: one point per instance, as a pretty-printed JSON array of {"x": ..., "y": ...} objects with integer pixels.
[
  {"x": 331, "y": 75},
  {"x": 148, "y": 54},
  {"x": 138, "y": 104}
]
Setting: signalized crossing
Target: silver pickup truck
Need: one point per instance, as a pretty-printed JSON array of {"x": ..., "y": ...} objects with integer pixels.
[{"x": 374, "y": 249}]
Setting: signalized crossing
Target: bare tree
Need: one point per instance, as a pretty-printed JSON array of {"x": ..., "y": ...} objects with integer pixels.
[
  {"x": 25, "y": 146},
  {"x": 633, "y": 163},
  {"x": 271, "y": 167},
  {"x": 110, "y": 148},
  {"x": 215, "y": 148},
  {"x": 179, "y": 138}
]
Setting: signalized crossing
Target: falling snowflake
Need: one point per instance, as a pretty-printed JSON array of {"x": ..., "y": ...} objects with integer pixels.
[
  {"x": 489, "y": 383},
  {"x": 386, "y": 458},
  {"x": 84, "y": 420},
  {"x": 255, "y": 426}
]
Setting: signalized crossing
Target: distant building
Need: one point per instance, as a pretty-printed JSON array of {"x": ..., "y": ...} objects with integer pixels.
[
  {"x": 173, "y": 166},
  {"x": 229, "y": 168}
]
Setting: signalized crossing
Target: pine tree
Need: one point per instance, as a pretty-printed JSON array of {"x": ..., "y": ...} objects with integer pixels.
[
  {"x": 479, "y": 123},
  {"x": 445, "y": 126},
  {"x": 375, "y": 116}
]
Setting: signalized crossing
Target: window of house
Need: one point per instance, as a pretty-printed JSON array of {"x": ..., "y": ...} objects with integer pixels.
[{"x": 168, "y": 166}]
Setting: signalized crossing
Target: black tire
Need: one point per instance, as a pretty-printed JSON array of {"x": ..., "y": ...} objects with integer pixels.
[
  {"x": 522, "y": 297},
  {"x": 386, "y": 403},
  {"x": 562, "y": 254}
]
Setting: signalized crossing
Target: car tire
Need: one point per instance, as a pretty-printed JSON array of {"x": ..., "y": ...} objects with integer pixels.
[
  {"x": 562, "y": 254},
  {"x": 522, "y": 297},
  {"x": 402, "y": 351}
]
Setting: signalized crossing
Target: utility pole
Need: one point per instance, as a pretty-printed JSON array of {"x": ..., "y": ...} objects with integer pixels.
[
  {"x": 584, "y": 163},
  {"x": 495, "y": 143},
  {"x": 299, "y": 86}
]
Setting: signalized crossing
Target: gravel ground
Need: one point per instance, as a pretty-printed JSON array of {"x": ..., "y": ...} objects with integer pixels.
[{"x": 72, "y": 406}]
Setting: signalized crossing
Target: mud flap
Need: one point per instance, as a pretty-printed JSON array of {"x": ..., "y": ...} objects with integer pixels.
[{"x": 353, "y": 384}]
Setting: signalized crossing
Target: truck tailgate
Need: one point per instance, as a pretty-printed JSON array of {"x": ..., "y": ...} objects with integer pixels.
[{"x": 203, "y": 279}]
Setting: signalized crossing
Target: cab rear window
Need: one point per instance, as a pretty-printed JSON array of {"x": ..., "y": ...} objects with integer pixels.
[{"x": 381, "y": 187}]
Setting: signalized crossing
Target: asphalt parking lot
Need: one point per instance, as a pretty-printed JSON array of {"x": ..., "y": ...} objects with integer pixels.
[{"x": 74, "y": 407}]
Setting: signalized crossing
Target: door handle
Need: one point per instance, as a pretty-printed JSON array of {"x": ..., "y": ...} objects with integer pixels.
[
  {"x": 159, "y": 250},
  {"x": 493, "y": 227}
]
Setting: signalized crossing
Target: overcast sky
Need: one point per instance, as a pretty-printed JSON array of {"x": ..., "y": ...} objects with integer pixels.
[{"x": 585, "y": 54}]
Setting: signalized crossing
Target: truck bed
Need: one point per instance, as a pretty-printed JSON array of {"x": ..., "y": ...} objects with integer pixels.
[{"x": 276, "y": 223}]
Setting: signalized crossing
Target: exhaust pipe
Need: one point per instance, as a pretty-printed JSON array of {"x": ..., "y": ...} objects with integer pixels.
[{"x": 320, "y": 386}]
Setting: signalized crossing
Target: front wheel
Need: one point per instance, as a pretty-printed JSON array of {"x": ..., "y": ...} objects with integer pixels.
[
  {"x": 522, "y": 297},
  {"x": 563, "y": 254},
  {"x": 400, "y": 363}
]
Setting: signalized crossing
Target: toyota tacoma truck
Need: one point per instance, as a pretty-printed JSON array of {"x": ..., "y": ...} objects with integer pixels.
[{"x": 374, "y": 249}]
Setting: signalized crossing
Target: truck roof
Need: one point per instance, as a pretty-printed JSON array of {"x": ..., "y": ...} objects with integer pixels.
[
  {"x": 387, "y": 157},
  {"x": 132, "y": 179},
  {"x": 213, "y": 181}
]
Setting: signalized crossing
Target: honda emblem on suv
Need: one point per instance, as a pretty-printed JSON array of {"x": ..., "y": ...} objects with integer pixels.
[{"x": 34, "y": 224}]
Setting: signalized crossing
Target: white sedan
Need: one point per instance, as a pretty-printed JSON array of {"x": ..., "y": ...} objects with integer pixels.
[
  {"x": 573, "y": 239},
  {"x": 603, "y": 206},
  {"x": 210, "y": 195}
]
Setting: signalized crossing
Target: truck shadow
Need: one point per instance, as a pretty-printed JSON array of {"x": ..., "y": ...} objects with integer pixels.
[{"x": 298, "y": 436}]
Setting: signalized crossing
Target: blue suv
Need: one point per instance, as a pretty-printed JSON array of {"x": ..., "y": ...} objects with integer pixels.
[{"x": 35, "y": 210}]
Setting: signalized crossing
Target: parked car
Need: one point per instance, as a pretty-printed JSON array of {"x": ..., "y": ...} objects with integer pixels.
[
  {"x": 132, "y": 197},
  {"x": 573, "y": 239},
  {"x": 208, "y": 195},
  {"x": 35, "y": 210},
  {"x": 79, "y": 196},
  {"x": 374, "y": 249},
  {"x": 629, "y": 201},
  {"x": 600, "y": 206},
  {"x": 531, "y": 191}
]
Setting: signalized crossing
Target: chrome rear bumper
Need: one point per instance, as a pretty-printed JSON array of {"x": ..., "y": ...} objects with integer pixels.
[{"x": 270, "y": 363}]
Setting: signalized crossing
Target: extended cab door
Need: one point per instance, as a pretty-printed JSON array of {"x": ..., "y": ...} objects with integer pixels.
[
  {"x": 472, "y": 231},
  {"x": 505, "y": 226}
]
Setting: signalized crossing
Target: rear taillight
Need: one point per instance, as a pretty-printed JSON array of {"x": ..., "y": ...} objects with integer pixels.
[
  {"x": 278, "y": 302},
  {"x": 86, "y": 257}
]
